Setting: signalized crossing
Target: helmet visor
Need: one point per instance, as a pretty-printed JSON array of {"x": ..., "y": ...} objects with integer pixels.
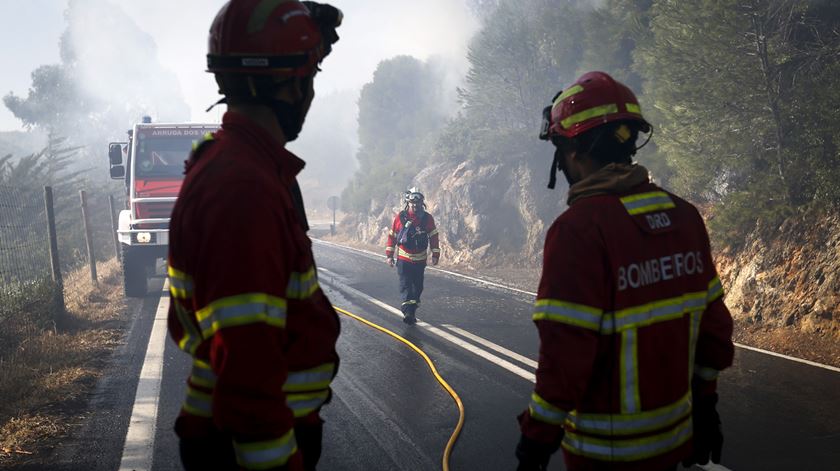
[{"x": 546, "y": 123}]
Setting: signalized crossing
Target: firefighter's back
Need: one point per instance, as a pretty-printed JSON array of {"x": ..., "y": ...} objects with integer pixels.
[{"x": 656, "y": 250}]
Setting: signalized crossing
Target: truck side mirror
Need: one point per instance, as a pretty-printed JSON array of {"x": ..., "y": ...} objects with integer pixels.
[
  {"x": 117, "y": 172},
  {"x": 115, "y": 154}
]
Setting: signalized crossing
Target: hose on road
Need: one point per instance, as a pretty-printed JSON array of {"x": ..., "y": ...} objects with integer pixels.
[{"x": 447, "y": 452}]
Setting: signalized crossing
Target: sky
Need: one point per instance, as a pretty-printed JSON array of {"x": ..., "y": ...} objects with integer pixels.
[{"x": 373, "y": 30}]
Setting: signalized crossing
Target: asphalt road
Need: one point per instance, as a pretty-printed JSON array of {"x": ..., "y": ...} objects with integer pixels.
[{"x": 389, "y": 413}]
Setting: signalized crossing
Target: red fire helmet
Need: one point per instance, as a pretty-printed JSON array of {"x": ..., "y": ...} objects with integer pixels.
[
  {"x": 593, "y": 100},
  {"x": 271, "y": 37}
]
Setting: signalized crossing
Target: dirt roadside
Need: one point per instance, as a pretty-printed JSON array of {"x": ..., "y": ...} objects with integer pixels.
[{"x": 46, "y": 381}]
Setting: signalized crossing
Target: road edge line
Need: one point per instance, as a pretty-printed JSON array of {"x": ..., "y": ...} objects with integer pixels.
[{"x": 138, "y": 451}]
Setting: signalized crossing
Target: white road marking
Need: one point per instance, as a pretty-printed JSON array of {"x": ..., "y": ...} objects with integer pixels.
[
  {"x": 787, "y": 357},
  {"x": 140, "y": 440},
  {"x": 516, "y": 290},
  {"x": 713, "y": 467},
  {"x": 455, "y": 274},
  {"x": 440, "y": 333},
  {"x": 492, "y": 346}
]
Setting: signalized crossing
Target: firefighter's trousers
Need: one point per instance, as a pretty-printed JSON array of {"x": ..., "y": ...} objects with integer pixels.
[{"x": 411, "y": 285}]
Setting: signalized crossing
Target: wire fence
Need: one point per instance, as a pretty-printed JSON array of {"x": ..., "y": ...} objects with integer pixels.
[{"x": 38, "y": 284}]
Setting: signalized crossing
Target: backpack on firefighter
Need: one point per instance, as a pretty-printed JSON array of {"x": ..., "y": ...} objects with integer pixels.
[{"x": 413, "y": 237}]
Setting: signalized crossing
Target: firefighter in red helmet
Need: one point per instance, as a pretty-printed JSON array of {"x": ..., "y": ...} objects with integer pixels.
[
  {"x": 633, "y": 329},
  {"x": 245, "y": 299}
]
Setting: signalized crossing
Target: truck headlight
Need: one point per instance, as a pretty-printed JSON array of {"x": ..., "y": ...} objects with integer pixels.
[{"x": 144, "y": 237}]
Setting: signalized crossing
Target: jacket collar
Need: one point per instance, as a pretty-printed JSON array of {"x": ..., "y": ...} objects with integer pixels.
[
  {"x": 287, "y": 162},
  {"x": 610, "y": 179}
]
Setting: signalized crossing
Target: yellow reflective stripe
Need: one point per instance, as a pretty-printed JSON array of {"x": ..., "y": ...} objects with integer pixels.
[
  {"x": 435, "y": 250},
  {"x": 208, "y": 136},
  {"x": 266, "y": 454},
  {"x": 629, "y": 369},
  {"x": 202, "y": 374},
  {"x": 180, "y": 284},
  {"x": 653, "y": 312},
  {"x": 647, "y": 202},
  {"x": 631, "y": 424},
  {"x": 413, "y": 256},
  {"x": 198, "y": 403},
  {"x": 262, "y": 12},
  {"x": 588, "y": 114},
  {"x": 410, "y": 301},
  {"x": 709, "y": 374},
  {"x": 567, "y": 93},
  {"x": 715, "y": 290},
  {"x": 433, "y": 232},
  {"x": 192, "y": 337},
  {"x": 694, "y": 330},
  {"x": 241, "y": 310},
  {"x": 308, "y": 380},
  {"x": 568, "y": 313},
  {"x": 633, "y": 108},
  {"x": 544, "y": 411},
  {"x": 306, "y": 403},
  {"x": 392, "y": 233},
  {"x": 302, "y": 285},
  {"x": 628, "y": 449}
]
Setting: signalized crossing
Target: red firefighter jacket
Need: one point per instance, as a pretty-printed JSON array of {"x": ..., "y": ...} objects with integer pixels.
[
  {"x": 423, "y": 227},
  {"x": 245, "y": 299},
  {"x": 629, "y": 309}
]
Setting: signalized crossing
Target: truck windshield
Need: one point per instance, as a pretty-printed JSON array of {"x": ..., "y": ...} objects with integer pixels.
[{"x": 162, "y": 156}]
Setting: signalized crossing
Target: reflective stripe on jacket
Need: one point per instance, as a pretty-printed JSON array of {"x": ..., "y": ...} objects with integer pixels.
[
  {"x": 629, "y": 309},
  {"x": 408, "y": 254},
  {"x": 246, "y": 303}
]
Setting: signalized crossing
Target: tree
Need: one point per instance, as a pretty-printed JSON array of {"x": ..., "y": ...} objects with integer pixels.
[
  {"x": 400, "y": 112},
  {"x": 107, "y": 79}
]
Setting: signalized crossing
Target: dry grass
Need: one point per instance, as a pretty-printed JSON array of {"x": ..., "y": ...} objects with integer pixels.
[{"x": 54, "y": 368}]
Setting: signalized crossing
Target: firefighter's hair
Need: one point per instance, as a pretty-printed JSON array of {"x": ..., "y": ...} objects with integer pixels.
[{"x": 613, "y": 142}]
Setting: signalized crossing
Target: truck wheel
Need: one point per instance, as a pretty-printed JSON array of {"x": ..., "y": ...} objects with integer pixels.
[{"x": 134, "y": 273}]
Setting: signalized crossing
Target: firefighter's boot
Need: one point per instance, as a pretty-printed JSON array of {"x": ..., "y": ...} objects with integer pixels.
[{"x": 408, "y": 313}]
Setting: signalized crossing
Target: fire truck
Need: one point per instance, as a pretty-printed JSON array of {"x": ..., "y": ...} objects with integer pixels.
[{"x": 151, "y": 164}]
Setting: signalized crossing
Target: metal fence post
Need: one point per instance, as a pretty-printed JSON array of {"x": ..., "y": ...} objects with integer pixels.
[
  {"x": 54, "y": 261},
  {"x": 88, "y": 237},
  {"x": 117, "y": 253}
]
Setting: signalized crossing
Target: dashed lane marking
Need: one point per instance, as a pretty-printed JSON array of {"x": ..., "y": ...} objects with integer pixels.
[
  {"x": 521, "y": 372},
  {"x": 492, "y": 346}
]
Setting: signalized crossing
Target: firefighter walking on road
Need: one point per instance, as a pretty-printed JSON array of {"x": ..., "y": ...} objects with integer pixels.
[
  {"x": 245, "y": 299},
  {"x": 633, "y": 329},
  {"x": 414, "y": 234}
]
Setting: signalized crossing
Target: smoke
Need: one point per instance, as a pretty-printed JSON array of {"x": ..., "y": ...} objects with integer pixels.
[{"x": 116, "y": 62}]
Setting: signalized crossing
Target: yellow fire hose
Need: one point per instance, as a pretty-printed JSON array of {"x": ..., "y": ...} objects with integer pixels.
[{"x": 448, "y": 450}]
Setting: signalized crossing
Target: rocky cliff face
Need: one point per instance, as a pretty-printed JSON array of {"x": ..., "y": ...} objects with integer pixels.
[
  {"x": 487, "y": 214},
  {"x": 789, "y": 277}
]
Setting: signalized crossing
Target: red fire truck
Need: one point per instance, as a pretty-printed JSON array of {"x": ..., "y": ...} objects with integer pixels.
[{"x": 152, "y": 165}]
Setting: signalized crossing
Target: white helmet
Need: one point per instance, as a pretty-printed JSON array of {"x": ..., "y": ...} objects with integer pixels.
[{"x": 413, "y": 194}]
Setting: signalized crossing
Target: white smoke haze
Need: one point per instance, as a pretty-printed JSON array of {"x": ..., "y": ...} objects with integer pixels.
[
  {"x": 117, "y": 62},
  {"x": 148, "y": 57}
]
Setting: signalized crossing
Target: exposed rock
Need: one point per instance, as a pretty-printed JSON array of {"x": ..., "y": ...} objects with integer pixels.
[
  {"x": 488, "y": 214},
  {"x": 792, "y": 279}
]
